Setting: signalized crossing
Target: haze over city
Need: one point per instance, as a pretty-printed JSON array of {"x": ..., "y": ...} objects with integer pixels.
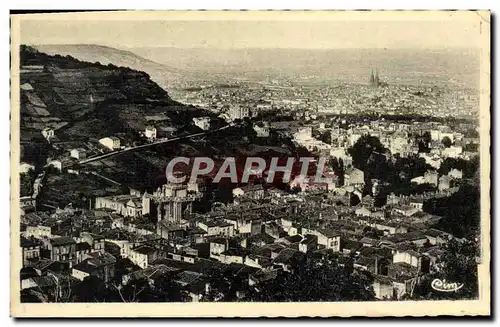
[{"x": 138, "y": 131}]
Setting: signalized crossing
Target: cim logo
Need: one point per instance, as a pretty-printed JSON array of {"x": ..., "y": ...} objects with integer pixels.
[{"x": 443, "y": 286}]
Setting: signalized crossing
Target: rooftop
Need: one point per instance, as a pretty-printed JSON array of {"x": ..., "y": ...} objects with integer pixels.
[{"x": 64, "y": 240}]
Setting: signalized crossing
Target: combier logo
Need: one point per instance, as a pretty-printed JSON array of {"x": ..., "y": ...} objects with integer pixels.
[{"x": 443, "y": 286}]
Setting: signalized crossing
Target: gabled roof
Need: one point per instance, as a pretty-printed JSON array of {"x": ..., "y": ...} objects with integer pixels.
[
  {"x": 83, "y": 246},
  {"x": 64, "y": 240},
  {"x": 101, "y": 259},
  {"x": 364, "y": 261},
  {"x": 144, "y": 249},
  {"x": 288, "y": 255}
]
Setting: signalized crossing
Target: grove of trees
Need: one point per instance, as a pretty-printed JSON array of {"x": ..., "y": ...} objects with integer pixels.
[{"x": 316, "y": 278}]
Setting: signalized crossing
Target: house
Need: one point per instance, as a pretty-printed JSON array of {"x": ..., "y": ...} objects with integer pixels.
[
  {"x": 418, "y": 180},
  {"x": 25, "y": 167},
  {"x": 431, "y": 177},
  {"x": 406, "y": 254},
  {"x": 101, "y": 265},
  {"x": 39, "y": 231},
  {"x": 232, "y": 255},
  {"x": 262, "y": 239},
  {"x": 111, "y": 142},
  {"x": 95, "y": 241},
  {"x": 308, "y": 243},
  {"x": 434, "y": 254},
  {"x": 218, "y": 245},
  {"x": 405, "y": 210},
  {"x": 363, "y": 211},
  {"x": 368, "y": 242},
  {"x": 143, "y": 255},
  {"x": 404, "y": 276},
  {"x": 417, "y": 204},
  {"x": 248, "y": 225},
  {"x": 78, "y": 153},
  {"x": 288, "y": 258},
  {"x": 217, "y": 228},
  {"x": 390, "y": 227},
  {"x": 273, "y": 229},
  {"x": 82, "y": 250},
  {"x": 255, "y": 192},
  {"x": 455, "y": 173},
  {"x": 416, "y": 237},
  {"x": 196, "y": 235},
  {"x": 238, "y": 112},
  {"x": 119, "y": 204},
  {"x": 452, "y": 152},
  {"x": 328, "y": 238},
  {"x": 262, "y": 131},
  {"x": 48, "y": 133},
  {"x": 63, "y": 249},
  {"x": 366, "y": 263},
  {"x": 168, "y": 230},
  {"x": 62, "y": 163},
  {"x": 444, "y": 183},
  {"x": 202, "y": 122},
  {"x": 354, "y": 177},
  {"x": 350, "y": 246},
  {"x": 30, "y": 250},
  {"x": 383, "y": 287},
  {"x": 262, "y": 276},
  {"x": 193, "y": 283},
  {"x": 134, "y": 208},
  {"x": 150, "y": 133},
  {"x": 392, "y": 199},
  {"x": 437, "y": 237}
]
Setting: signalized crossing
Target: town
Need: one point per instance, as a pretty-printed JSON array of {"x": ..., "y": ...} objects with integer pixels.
[{"x": 399, "y": 207}]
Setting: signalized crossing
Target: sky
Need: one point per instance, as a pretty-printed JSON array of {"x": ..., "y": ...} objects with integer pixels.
[{"x": 320, "y": 30}]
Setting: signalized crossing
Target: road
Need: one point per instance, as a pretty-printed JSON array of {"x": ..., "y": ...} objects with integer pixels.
[{"x": 114, "y": 153}]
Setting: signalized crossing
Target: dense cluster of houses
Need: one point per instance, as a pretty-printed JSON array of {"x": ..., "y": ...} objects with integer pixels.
[{"x": 263, "y": 232}]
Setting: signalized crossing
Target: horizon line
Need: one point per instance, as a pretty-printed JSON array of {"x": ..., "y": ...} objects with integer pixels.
[{"x": 124, "y": 47}]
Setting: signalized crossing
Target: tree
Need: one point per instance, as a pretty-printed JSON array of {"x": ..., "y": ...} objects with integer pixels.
[
  {"x": 170, "y": 291},
  {"x": 337, "y": 165},
  {"x": 59, "y": 291},
  {"x": 458, "y": 265},
  {"x": 354, "y": 200},
  {"x": 363, "y": 150},
  {"x": 460, "y": 211},
  {"x": 219, "y": 285},
  {"x": 92, "y": 289},
  {"x": 316, "y": 278},
  {"x": 446, "y": 141},
  {"x": 137, "y": 290},
  {"x": 423, "y": 142},
  {"x": 369, "y": 155},
  {"x": 468, "y": 167}
]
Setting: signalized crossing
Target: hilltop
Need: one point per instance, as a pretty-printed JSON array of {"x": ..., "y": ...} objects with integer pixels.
[{"x": 161, "y": 74}]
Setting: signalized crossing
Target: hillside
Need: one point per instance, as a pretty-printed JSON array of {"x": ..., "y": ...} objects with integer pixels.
[
  {"x": 83, "y": 100},
  {"x": 163, "y": 75}
]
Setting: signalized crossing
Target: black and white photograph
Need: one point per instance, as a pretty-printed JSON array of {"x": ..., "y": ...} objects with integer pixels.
[{"x": 238, "y": 161}]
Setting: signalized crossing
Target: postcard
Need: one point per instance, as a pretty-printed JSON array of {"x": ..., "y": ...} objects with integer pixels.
[{"x": 250, "y": 164}]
